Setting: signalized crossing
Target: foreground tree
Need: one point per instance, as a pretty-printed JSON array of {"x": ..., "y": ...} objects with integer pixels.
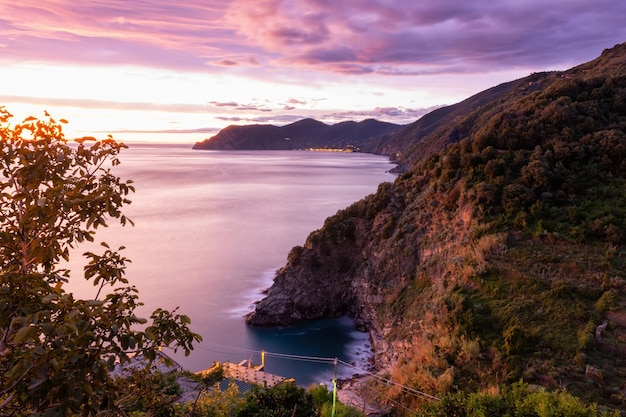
[{"x": 56, "y": 351}]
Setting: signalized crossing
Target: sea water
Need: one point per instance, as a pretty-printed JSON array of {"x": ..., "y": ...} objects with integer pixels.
[{"x": 211, "y": 228}]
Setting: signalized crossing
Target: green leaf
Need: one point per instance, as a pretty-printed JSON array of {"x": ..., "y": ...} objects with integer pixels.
[
  {"x": 24, "y": 334},
  {"x": 48, "y": 298},
  {"x": 72, "y": 327}
]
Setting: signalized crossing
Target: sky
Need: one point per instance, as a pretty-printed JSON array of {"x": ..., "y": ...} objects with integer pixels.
[{"x": 179, "y": 71}]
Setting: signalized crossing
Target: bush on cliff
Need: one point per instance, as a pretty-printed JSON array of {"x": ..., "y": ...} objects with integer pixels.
[{"x": 517, "y": 400}]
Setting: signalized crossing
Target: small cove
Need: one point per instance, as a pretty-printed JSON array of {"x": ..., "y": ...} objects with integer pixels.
[{"x": 211, "y": 227}]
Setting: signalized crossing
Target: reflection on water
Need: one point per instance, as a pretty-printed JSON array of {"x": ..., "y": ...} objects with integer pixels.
[{"x": 212, "y": 226}]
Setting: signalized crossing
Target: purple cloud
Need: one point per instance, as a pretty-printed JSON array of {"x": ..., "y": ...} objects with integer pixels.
[
  {"x": 364, "y": 36},
  {"x": 387, "y": 37},
  {"x": 225, "y": 104},
  {"x": 399, "y": 115}
]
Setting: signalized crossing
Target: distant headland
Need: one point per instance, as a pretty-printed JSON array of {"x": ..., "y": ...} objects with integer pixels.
[{"x": 304, "y": 134}]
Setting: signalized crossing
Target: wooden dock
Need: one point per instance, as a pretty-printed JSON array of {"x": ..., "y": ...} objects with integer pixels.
[{"x": 245, "y": 371}]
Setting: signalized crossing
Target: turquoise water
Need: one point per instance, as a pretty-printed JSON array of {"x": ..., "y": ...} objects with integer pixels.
[{"x": 211, "y": 227}]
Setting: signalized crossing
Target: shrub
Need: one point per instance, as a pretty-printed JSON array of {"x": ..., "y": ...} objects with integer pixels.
[
  {"x": 286, "y": 399},
  {"x": 294, "y": 255},
  {"x": 516, "y": 197},
  {"x": 494, "y": 168},
  {"x": 323, "y": 402},
  {"x": 514, "y": 401},
  {"x": 606, "y": 301}
]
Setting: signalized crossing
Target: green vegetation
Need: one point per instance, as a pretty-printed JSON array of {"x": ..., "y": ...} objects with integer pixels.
[
  {"x": 285, "y": 399},
  {"x": 517, "y": 400},
  {"x": 530, "y": 206},
  {"x": 281, "y": 400},
  {"x": 146, "y": 392},
  {"x": 56, "y": 351},
  {"x": 213, "y": 402}
]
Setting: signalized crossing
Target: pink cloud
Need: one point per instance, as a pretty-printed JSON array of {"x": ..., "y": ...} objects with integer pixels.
[
  {"x": 237, "y": 61},
  {"x": 387, "y": 37},
  {"x": 156, "y": 22},
  {"x": 115, "y": 105},
  {"x": 227, "y": 63},
  {"x": 157, "y": 33}
]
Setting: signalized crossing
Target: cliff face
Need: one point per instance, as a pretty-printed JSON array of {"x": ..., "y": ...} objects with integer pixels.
[
  {"x": 358, "y": 264},
  {"x": 497, "y": 254},
  {"x": 303, "y": 134}
]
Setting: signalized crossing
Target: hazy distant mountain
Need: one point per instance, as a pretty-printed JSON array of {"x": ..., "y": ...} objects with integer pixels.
[{"x": 303, "y": 134}]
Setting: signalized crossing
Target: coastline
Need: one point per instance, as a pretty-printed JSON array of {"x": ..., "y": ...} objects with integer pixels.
[
  {"x": 357, "y": 342},
  {"x": 358, "y": 351},
  {"x": 254, "y": 294}
]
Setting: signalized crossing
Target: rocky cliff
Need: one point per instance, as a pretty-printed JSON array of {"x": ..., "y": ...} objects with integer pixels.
[{"x": 497, "y": 254}]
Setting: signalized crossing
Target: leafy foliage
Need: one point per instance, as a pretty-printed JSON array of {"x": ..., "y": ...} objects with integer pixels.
[
  {"x": 146, "y": 391},
  {"x": 323, "y": 402},
  {"x": 213, "y": 402},
  {"x": 281, "y": 400},
  {"x": 55, "y": 350},
  {"x": 551, "y": 160},
  {"x": 284, "y": 399},
  {"x": 518, "y": 400}
]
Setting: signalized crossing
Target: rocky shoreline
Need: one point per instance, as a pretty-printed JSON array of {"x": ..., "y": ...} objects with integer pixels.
[{"x": 354, "y": 392}]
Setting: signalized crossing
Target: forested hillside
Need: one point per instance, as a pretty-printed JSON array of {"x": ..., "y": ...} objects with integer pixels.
[{"x": 498, "y": 255}]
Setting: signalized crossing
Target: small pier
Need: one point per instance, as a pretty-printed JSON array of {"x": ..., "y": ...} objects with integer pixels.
[{"x": 245, "y": 371}]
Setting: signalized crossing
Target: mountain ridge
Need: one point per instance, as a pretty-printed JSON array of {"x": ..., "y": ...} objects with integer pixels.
[{"x": 302, "y": 134}]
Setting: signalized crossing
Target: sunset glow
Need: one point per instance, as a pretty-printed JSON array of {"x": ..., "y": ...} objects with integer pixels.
[{"x": 157, "y": 70}]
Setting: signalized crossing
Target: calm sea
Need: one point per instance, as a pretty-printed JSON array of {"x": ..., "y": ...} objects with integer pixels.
[{"x": 211, "y": 227}]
